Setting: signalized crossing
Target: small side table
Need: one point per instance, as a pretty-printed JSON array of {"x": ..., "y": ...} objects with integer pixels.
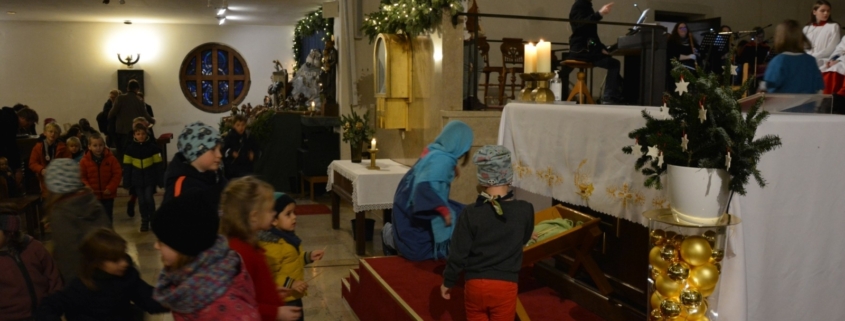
[{"x": 311, "y": 181}]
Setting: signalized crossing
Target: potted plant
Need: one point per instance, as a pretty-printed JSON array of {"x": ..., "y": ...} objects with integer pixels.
[
  {"x": 356, "y": 131},
  {"x": 705, "y": 144}
]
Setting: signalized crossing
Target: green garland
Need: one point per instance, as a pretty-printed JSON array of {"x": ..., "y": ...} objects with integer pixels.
[
  {"x": 409, "y": 17},
  {"x": 311, "y": 24}
]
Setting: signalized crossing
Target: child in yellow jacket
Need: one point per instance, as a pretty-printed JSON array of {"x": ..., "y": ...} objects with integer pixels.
[{"x": 284, "y": 253}]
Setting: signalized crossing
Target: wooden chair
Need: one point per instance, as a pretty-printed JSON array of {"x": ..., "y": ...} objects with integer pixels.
[
  {"x": 484, "y": 50},
  {"x": 513, "y": 54},
  {"x": 580, "y": 86},
  {"x": 311, "y": 181}
]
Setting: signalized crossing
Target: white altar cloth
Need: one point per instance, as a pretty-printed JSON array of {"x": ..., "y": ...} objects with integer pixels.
[
  {"x": 788, "y": 261},
  {"x": 371, "y": 189}
]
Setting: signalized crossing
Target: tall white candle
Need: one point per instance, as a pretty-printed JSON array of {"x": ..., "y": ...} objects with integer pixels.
[
  {"x": 373, "y": 143},
  {"x": 530, "y": 64},
  {"x": 544, "y": 56}
]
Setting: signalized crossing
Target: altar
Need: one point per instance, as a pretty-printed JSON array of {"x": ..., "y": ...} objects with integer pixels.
[{"x": 787, "y": 251}]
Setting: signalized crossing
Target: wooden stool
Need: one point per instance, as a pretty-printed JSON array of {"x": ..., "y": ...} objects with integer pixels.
[
  {"x": 311, "y": 181},
  {"x": 581, "y": 85}
]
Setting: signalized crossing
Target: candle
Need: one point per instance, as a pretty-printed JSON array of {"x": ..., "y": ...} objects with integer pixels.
[
  {"x": 373, "y": 142},
  {"x": 530, "y": 64},
  {"x": 544, "y": 56},
  {"x": 313, "y": 106}
]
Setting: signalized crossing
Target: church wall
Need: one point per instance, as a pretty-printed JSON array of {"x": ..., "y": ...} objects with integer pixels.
[{"x": 65, "y": 69}]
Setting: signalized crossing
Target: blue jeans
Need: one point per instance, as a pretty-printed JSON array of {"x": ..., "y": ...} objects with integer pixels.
[
  {"x": 108, "y": 206},
  {"x": 146, "y": 202}
]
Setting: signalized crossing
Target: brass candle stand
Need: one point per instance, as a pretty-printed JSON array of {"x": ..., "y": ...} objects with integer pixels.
[
  {"x": 373, "y": 153},
  {"x": 525, "y": 93},
  {"x": 542, "y": 94}
]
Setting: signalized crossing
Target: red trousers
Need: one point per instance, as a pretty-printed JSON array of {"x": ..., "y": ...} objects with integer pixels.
[
  {"x": 834, "y": 83},
  {"x": 490, "y": 300}
]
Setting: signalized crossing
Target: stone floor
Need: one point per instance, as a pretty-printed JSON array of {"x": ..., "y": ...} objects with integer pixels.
[{"x": 323, "y": 301}]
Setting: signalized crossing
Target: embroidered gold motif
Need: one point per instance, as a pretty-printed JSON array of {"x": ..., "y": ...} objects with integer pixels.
[
  {"x": 521, "y": 170},
  {"x": 582, "y": 183},
  {"x": 626, "y": 195},
  {"x": 660, "y": 202},
  {"x": 550, "y": 177}
]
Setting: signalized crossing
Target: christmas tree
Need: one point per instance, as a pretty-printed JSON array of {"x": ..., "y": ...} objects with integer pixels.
[{"x": 705, "y": 128}]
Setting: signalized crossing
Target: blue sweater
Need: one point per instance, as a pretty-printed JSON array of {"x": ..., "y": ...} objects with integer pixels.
[{"x": 793, "y": 73}]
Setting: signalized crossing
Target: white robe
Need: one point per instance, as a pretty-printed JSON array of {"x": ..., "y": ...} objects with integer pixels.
[
  {"x": 823, "y": 39},
  {"x": 840, "y": 66}
]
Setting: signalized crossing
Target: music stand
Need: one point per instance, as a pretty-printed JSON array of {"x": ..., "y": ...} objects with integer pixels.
[{"x": 714, "y": 43}]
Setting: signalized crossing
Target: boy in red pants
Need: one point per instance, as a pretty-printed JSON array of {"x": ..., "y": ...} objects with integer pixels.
[{"x": 488, "y": 239}]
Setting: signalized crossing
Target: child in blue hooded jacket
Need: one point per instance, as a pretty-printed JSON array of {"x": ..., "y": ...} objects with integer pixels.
[{"x": 422, "y": 211}]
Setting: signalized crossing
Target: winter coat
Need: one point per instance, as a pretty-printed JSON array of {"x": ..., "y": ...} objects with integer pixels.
[
  {"x": 72, "y": 217},
  {"x": 102, "y": 174},
  {"x": 38, "y": 159},
  {"x": 142, "y": 165},
  {"x": 8, "y": 137},
  {"x": 126, "y": 108},
  {"x": 243, "y": 145},
  {"x": 110, "y": 301},
  {"x": 26, "y": 277},
  {"x": 189, "y": 178},
  {"x": 266, "y": 294},
  {"x": 287, "y": 263}
]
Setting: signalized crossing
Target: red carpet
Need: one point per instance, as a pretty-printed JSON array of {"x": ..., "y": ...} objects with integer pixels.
[
  {"x": 417, "y": 284},
  {"x": 312, "y": 209}
]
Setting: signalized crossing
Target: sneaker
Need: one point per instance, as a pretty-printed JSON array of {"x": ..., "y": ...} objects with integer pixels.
[
  {"x": 145, "y": 226},
  {"x": 130, "y": 209}
]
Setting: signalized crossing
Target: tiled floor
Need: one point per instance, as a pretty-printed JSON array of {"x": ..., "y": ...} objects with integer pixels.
[{"x": 323, "y": 301}]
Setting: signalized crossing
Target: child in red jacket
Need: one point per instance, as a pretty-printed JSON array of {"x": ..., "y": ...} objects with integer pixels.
[
  {"x": 248, "y": 207},
  {"x": 101, "y": 172},
  {"x": 45, "y": 151}
]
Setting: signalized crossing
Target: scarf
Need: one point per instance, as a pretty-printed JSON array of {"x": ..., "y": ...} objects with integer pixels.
[
  {"x": 49, "y": 150},
  {"x": 274, "y": 235},
  {"x": 493, "y": 200},
  {"x": 196, "y": 285}
]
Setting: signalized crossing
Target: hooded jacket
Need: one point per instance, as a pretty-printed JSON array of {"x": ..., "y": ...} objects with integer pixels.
[
  {"x": 423, "y": 194},
  {"x": 189, "y": 179},
  {"x": 72, "y": 217},
  {"x": 102, "y": 174},
  {"x": 287, "y": 263},
  {"x": 26, "y": 277}
]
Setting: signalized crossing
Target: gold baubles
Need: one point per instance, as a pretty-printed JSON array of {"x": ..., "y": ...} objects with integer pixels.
[
  {"x": 707, "y": 292},
  {"x": 697, "y": 312},
  {"x": 696, "y": 251},
  {"x": 717, "y": 255},
  {"x": 655, "y": 315},
  {"x": 691, "y": 298},
  {"x": 700, "y": 318},
  {"x": 655, "y": 300},
  {"x": 669, "y": 253},
  {"x": 656, "y": 261},
  {"x": 657, "y": 237},
  {"x": 710, "y": 236},
  {"x": 704, "y": 277},
  {"x": 678, "y": 271},
  {"x": 677, "y": 240},
  {"x": 667, "y": 287},
  {"x": 670, "y": 309},
  {"x": 655, "y": 272}
]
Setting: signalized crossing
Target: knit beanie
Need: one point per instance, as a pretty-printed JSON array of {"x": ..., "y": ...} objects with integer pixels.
[
  {"x": 188, "y": 223},
  {"x": 282, "y": 201},
  {"x": 62, "y": 176},
  {"x": 494, "y": 165},
  {"x": 196, "y": 139}
]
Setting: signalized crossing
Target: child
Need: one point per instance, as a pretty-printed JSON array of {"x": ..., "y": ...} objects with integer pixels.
[
  {"x": 8, "y": 178},
  {"x": 792, "y": 70},
  {"x": 822, "y": 32},
  {"x": 248, "y": 207},
  {"x": 202, "y": 279},
  {"x": 133, "y": 197},
  {"x": 74, "y": 147},
  {"x": 142, "y": 172},
  {"x": 284, "y": 251},
  {"x": 23, "y": 259},
  {"x": 101, "y": 172},
  {"x": 238, "y": 150},
  {"x": 196, "y": 167},
  {"x": 488, "y": 240},
  {"x": 45, "y": 151},
  {"x": 107, "y": 287},
  {"x": 73, "y": 212}
]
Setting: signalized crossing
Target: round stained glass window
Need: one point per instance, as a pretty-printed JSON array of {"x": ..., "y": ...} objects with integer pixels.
[{"x": 214, "y": 77}]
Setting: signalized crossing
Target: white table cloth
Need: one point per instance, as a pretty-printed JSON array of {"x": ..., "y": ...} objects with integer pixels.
[
  {"x": 371, "y": 189},
  {"x": 788, "y": 261}
]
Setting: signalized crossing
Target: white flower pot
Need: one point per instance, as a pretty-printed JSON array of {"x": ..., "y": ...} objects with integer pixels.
[{"x": 698, "y": 195}]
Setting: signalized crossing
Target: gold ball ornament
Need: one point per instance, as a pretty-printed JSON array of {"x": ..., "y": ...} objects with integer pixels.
[
  {"x": 670, "y": 309},
  {"x": 711, "y": 237},
  {"x": 704, "y": 277},
  {"x": 656, "y": 261},
  {"x": 667, "y": 287},
  {"x": 655, "y": 272},
  {"x": 707, "y": 292},
  {"x": 718, "y": 266},
  {"x": 695, "y": 250},
  {"x": 657, "y": 237},
  {"x": 678, "y": 271},
  {"x": 655, "y": 300},
  {"x": 717, "y": 255},
  {"x": 677, "y": 240},
  {"x": 669, "y": 253},
  {"x": 697, "y": 312},
  {"x": 691, "y": 298},
  {"x": 655, "y": 315},
  {"x": 670, "y": 234},
  {"x": 700, "y": 318}
]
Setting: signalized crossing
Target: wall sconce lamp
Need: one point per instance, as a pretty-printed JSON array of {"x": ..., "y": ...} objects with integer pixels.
[
  {"x": 129, "y": 62},
  {"x": 221, "y": 20}
]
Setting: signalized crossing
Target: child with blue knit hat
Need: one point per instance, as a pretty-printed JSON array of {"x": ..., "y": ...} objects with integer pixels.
[
  {"x": 488, "y": 240},
  {"x": 284, "y": 253},
  {"x": 197, "y": 165}
]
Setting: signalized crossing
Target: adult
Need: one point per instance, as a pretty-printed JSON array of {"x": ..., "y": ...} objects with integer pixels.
[
  {"x": 11, "y": 123},
  {"x": 103, "y": 123},
  {"x": 126, "y": 108},
  {"x": 682, "y": 46},
  {"x": 422, "y": 211},
  {"x": 31, "y": 129},
  {"x": 822, "y": 32},
  {"x": 149, "y": 110},
  {"x": 585, "y": 45}
]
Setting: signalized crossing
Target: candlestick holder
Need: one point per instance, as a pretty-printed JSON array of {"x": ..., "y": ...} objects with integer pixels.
[
  {"x": 373, "y": 153},
  {"x": 542, "y": 94},
  {"x": 525, "y": 93}
]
